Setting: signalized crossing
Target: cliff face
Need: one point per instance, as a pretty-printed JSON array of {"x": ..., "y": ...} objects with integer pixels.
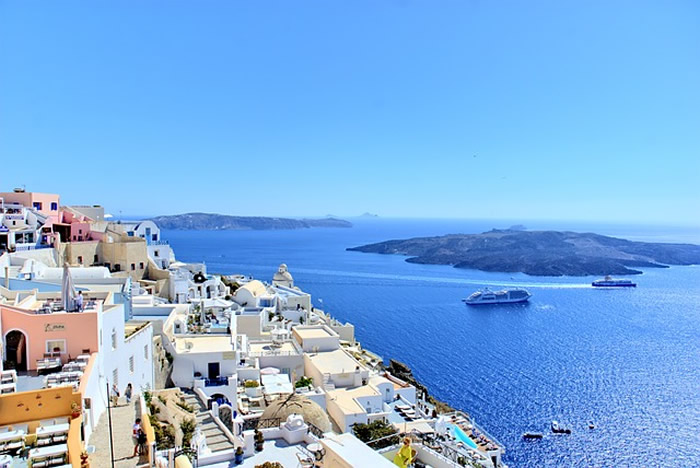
[
  {"x": 539, "y": 253},
  {"x": 210, "y": 221}
]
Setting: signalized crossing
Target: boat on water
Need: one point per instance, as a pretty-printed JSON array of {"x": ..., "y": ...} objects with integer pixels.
[
  {"x": 505, "y": 296},
  {"x": 533, "y": 435},
  {"x": 558, "y": 429},
  {"x": 591, "y": 425},
  {"x": 610, "y": 282}
]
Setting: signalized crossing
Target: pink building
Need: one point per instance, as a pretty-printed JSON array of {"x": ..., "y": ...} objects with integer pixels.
[
  {"x": 28, "y": 335},
  {"x": 45, "y": 203}
]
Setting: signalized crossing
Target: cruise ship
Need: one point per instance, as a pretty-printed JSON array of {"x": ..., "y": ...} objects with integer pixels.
[
  {"x": 506, "y": 296},
  {"x": 609, "y": 282}
]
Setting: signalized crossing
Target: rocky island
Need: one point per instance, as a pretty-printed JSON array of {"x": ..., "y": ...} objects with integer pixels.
[
  {"x": 539, "y": 253},
  {"x": 213, "y": 221}
]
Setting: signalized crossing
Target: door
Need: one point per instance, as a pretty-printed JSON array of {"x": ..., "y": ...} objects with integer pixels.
[{"x": 213, "y": 370}]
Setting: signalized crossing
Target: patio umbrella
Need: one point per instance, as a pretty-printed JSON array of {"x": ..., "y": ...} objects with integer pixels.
[
  {"x": 269, "y": 371},
  {"x": 67, "y": 290}
]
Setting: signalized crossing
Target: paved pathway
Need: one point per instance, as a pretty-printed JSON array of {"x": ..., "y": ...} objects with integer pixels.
[{"x": 123, "y": 417}]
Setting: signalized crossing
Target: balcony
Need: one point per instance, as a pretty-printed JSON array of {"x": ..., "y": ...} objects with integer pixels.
[{"x": 158, "y": 242}]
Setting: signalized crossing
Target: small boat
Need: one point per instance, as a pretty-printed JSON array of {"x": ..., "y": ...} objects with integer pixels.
[
  {"x": 506, "y": 296},
  {"x": 591, "y": 425},
  {"x": 557, "y": 429},
  {"x": 533, "y": 435},
  {"x": 609, "y": 282}
]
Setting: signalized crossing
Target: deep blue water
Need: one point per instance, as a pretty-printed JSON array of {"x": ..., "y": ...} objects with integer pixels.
[{"x": 627, "y": 359}]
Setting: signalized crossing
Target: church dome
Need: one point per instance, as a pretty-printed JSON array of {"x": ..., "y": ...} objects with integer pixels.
[
  {"x": 296, "y": 404},
  {"x": 282, "y": 275}
]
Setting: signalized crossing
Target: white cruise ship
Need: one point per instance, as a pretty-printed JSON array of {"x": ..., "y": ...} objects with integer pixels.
[{"x": 506, "y": 296}]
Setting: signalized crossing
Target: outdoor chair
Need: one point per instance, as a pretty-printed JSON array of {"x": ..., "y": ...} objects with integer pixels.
[{"x": 305, "y": 462}]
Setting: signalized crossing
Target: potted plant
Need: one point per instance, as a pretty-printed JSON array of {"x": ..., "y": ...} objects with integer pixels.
[
  {"x": 75, "y": 410},
  {"x": 239, "y": 455},
  {"x": 259, "y": 439}
]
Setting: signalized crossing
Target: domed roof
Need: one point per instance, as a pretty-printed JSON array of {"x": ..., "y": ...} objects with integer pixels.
[
  {"x": 297, "y": 404},
  {"x": 282, "y": 274}
]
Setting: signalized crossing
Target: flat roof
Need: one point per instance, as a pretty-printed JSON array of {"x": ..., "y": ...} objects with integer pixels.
[
  {"x": 264, "y": 347},
  {"x": 305, "y": 333},
  {"x": 334, "y": 362},
  {"x": 345, "y": 398},
  {"x": 355, "y": 452},
  {"x": 204, "y": 344}
]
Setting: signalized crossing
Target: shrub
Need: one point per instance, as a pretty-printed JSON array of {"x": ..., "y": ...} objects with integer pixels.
[
  {"x": 162, "y": 399},
  {"x": 148, "y": 396},
  {"x": 187, "y": 426},
  {"x": 304, "y": 381},
  {"x": 251, "y": 384},
  {"x": 185, "y": 406},
  {"x": 376, "y": 430}
]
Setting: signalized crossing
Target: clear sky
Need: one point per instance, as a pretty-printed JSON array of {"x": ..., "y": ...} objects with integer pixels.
[{"x": 525, "y": 109}]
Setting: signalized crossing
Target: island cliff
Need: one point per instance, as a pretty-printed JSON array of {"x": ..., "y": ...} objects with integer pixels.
[
  {"x": 539, "y": 253},
  {"x": 212, "y": 221}
]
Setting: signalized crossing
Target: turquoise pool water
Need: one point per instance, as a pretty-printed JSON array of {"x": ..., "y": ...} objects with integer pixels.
[{"x": 462, "y": 436}]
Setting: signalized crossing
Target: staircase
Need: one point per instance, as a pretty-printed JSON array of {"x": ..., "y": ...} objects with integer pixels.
[
  {"x": 216, "y": 439},
  {"x": 328, "y": 386}
]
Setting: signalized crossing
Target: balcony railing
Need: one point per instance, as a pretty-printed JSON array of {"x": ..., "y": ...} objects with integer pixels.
[
  {"x": 217, "y": 382},
  {"x": 158, "y": 242}
]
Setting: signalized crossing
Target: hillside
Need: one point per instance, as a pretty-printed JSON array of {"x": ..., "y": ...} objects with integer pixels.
[
  {"x": 212, "y": 221},
  {"x": 539, "y": 253}
]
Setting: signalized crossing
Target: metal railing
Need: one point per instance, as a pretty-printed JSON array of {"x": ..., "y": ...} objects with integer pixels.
[
  {"x": 258, "y": 424},
  {"x": 217, "y": 382}
]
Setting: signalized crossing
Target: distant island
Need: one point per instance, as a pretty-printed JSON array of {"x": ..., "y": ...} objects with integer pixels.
[
  {"x": 539, "y": 253},
  {"x": 219, "y": 222}
]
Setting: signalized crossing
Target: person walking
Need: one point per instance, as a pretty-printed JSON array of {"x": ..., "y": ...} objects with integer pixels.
[
  {"x": 135, "y": 434},
  {"x": 127, "y": 393},
  {"x": 115, "y": 395}
]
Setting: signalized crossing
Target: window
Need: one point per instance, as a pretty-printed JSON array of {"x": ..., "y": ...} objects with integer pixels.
[
  {"x": 117, "y": 267},
  {"x": 53, "y": 346},
  {"x": 155, "y": 253},
  {"x": 80, "y": 231},
  {"x": 115, "y": 377},
  {"x": 154, "y": 237},
  {"x": 114, "y": 339},
  {"x": 133, "y": 266},
  {"x": 140, "y": 265},
  {"x": 54, "y": 206},
  {"x": 131, "y": 365},
  {"x": 145, "y": 352},
  {"x": 130, "y": 233},
  {"x": 106, "y": 264},
  {"x": 37, "y": 205},
  {"x": 96, "y": 259},
  {"x": 80, "y": 259}
]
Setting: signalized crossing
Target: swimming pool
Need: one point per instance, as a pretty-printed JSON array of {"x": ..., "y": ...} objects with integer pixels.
[{"x": 463, "y": 437}]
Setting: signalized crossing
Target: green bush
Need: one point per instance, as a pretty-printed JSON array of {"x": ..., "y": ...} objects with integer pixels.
[
  {"x": 251, "y": 384},
  {"x": 304, "y": 381},
  {"x": 185, "y": 406},
  {"x": 187, "y": 426},
  {"x": 376, "y": 430}
]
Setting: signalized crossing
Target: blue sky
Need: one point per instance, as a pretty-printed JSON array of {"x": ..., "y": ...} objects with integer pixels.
[{"x": 469, "y": 109}]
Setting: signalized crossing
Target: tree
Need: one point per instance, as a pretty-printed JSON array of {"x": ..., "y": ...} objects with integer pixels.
[{"x": 376, "y": 430}]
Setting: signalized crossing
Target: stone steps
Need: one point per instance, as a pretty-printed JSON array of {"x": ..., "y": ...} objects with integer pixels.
[{"x": 215, "y": 437}]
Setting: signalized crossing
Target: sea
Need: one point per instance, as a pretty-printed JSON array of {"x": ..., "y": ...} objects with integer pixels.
[{"x": 627, "y": 360}]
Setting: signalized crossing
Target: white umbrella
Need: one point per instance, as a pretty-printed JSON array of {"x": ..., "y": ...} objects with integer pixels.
[
  {"x": 269, "y": 371},
  {"x": 67, "y": 290}
]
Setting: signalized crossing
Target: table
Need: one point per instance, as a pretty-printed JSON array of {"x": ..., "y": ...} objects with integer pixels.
[
  {"x": 48, "y": 451},
  {"x": 43, "y": 431}
]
